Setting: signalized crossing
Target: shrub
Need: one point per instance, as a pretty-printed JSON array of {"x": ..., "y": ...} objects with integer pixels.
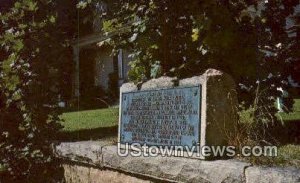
[{"x": 32, "y": 48}]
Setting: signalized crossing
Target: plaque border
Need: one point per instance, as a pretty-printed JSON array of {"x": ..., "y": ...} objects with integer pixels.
[{"x": 202, "y": 97}]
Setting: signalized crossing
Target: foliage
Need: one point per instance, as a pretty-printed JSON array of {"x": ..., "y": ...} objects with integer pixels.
[
  {"x": 220, "y": 34},
  {"x": 258, "y": 123},
  {"x": 247, "y": 39},
  {"x": 32, "y": 51},
  {"x": 250, "y": 132}
]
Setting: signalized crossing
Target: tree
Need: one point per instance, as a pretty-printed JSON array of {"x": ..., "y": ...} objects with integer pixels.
[
  {"x": 33, "y": 48},
  {"x": 247, "y": 39}
]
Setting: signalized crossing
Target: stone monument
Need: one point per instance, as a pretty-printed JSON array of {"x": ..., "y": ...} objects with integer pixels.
[{"x": 201, "y": 110}]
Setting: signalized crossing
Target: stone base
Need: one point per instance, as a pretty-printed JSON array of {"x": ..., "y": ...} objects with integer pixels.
[
  {"x": 95, "y": 161},
  {"x": 84, "y": 174}
]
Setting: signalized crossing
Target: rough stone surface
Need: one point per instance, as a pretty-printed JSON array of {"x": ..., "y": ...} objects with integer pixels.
[
  {"x": 128, "y": 87},
  {"x": 83, "y": 174},
  {"x": 218, "y": 103},
  {"x": 176, "y": 168},
  {"x": 159, "y": 83},
  {"x": 272, "y": 175},
  {"x": 84, "y": 151},
  {"x": 102, "y": 160},
  {"x": 196, "y": 80}
]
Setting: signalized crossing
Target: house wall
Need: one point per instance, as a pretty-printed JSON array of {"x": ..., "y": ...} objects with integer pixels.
[
  {"x": 103, "y": 67},
  {"x": 126, "y": 65}
]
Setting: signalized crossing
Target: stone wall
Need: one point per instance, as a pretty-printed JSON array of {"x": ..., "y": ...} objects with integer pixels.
[
  {"x": 87, "y": 174},
  {"x": 98, "y": 161}
]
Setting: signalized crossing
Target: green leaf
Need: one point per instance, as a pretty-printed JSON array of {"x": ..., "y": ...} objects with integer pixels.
[
  {"x": 195, "y": 34},
  {"x": 52, "y": 19},
  {"x": 18, "y": 5},
  {"x": 154, "y": 46},
  {"x": 32, "y": 6},
  {"x": 142, "y": 28},
  {"x": 22, "y": 26},
  {"x": 81, "y": 5},
  {"x": 18, "y": 45},
  {"x": 107, "y": 25}
]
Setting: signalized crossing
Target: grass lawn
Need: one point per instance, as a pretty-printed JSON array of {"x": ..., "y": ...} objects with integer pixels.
[
  {"x": 90, "y": 119},
  {"x": 2, "y": 168},
  {"x": 295, "y": 115},
  {"x": 287, "y": 155}
]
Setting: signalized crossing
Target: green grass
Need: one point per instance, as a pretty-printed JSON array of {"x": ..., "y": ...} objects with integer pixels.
[
  {"x": 287, "y": 155},
  {"x": 293, "y": 116},
  {"x": 90, "y": 119},
  {"x": 2, "y": 168}
]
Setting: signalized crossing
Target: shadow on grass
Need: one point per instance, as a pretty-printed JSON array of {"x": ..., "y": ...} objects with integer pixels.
[
  {"x": 286, "y": 134},
  {"x": 88, "y": 134},
  {"x": 289, "y": 133}
]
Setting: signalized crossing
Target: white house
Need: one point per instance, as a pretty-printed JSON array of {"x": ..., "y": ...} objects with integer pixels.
[{"x": 102, "y": 62}]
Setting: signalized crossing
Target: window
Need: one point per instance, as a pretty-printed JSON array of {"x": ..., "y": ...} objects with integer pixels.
[{"x": 118, "y": 64}]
